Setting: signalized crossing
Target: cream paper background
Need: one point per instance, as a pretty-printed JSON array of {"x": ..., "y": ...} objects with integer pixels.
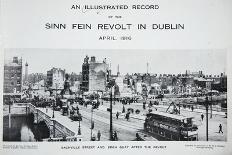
[{"x": 207, "y": 27}]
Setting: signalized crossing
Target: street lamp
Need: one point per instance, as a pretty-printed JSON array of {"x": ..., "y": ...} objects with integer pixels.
[
  {"x": 92, "y": 125},
  {"x": 53, "y": 115},
  {"x": 79, "y": 127},
  {"x": 11, "y": 102},
  {"x": 111, "y": 85},
  {"x": 207, "y": 121},
  {"x": 111, "y": 117},
  {"x": 211, "y": 99}
]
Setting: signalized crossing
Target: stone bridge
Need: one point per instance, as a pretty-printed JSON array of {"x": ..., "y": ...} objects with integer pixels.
[{"x": 58, "y": 132}]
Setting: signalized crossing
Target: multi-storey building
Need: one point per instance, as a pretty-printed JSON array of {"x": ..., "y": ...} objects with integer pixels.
[
  {"x": 26, "y": 73},
  {"x": 55, "y": 78},
  {"x": 97, "y": 75},
  {"x": 74, "y": 78},
  {"x": 36, "y": 77},
  {"x": 94, "y": 75},
  {"x": 85, "y": 75},
  {"x": 13, "y": 76}
]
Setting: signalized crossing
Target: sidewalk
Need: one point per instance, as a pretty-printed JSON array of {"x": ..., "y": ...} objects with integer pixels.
[
  {"x": 196, "y": 110},
  {"x": 72, "y": 125},
  {"x": 139, "y": 106}
]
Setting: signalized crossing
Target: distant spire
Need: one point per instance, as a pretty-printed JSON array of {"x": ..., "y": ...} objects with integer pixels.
[
  {"x": 147, "y": 67},
  {"x": 26, "y": 72},
  {"x": 118, "y": 73}
]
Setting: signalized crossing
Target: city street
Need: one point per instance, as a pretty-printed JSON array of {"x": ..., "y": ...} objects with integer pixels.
[
  {"x": 126, "y": 130},
  {"x": 167, "y": 104},
  {"x": 217, "y": 118}
]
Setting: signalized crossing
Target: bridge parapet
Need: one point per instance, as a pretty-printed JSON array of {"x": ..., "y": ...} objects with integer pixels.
[
  {"x": 69, "y": 139},
  {"x": 62, "y": 129},
  {"x": 58, "y": 132}
]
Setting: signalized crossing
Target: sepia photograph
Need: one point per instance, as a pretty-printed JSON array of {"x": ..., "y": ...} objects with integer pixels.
[{"x": 54, "y": 95}]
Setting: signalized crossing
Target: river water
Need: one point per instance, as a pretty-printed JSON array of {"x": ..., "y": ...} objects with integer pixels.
[{"x": 23, "y": 129}]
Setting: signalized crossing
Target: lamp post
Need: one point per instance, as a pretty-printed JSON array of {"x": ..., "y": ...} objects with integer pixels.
[
  {"x": 91, "y": 127},
  {"x": 11, "y": 102},
  {"x": 53, "y": 115},
  {"x": 207, "y": 108},
  {"x": 211, "y": 101},
  {"x": 110, "y": 85},
  {"x": 79, "y": 126},
  {"x": 111, "y": 117}
]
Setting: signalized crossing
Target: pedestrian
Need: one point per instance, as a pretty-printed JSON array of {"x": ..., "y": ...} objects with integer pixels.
[
  {"x": 123, "y": 109},
  {"x": 115, "y": 136},
  {"x": 192, "y": 108},
  {"x": 98, "y": 103},
  {"x": 220, "y": 128},
  {"x": 144, "y": 105},
  {"x": 50, "y": 139},
  {"x": 98, "y": 135},
  {"x": 117, "y": 114},
  {"x": 64, "y": 138},
  {"x": 138, "y": 138},
  {"x": 127, "y": 116},
  {"x": 202, "y": 117},
  {"x": 93, "y": 137}
]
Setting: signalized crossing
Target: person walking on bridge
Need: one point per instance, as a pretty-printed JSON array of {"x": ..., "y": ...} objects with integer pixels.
[
  {"x": 220, "y": 129},
  {"x": 127, "y": 116},
  {"x": 115, "y": 136},
  {"x": 202, "y": 117},
  {"x": 117, "y": 114},
  {"x": 98, "y": 135}
]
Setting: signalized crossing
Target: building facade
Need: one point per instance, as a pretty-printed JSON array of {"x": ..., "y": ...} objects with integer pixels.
[
  {"x": 97, "y": 75},
  {"x": 13, "y": 76},
  {"x": 26, "y": 73},
  {"x": 36, "y": 77},
  {"x": 94, "y": 75},
  {"x": 55, "y": 78},
  {"x": 85, "y": 75}
]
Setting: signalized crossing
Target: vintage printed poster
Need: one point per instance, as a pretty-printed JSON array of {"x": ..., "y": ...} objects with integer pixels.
[{"x": 115, "y": 77}]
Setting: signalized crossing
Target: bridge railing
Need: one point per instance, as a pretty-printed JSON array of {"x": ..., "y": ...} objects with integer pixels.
[
  {"x": 61, "y": 128},
  {"x": 54, "y": 125},
  {"x": 60, "y": 139},
  {"x": 20, "y": 104},
  {"x": 44, "y": 116}
]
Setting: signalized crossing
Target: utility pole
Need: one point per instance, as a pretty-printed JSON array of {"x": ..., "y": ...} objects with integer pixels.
[
  {"x": 10, "y": 114},
  {"x": 147, "y": 67},
  {"x": 211, "y": 102},
  {"x": 179, "y": 108},
  {"x": 53, "y": 105},
  {"x": 91, "y": 127},
  {"x": 111, "y": 118},
  {"x": 207, "y": 119},
  {"x": 110, "y": 85}
]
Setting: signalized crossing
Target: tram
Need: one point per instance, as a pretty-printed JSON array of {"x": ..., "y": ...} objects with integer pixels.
[{"x": 166, "y": 126}]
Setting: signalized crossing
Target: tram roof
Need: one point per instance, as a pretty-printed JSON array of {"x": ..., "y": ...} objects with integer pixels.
[
  {"x": 13, "y": 94},
  {"x": 174, "y": 116}
]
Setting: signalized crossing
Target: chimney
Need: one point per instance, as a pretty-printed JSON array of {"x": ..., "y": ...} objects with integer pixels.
[
  {"x": 15, "y": 60},
  {"x": 93, "y": 59}
]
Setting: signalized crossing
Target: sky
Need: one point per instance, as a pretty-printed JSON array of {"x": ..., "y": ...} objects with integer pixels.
[{"x": 129, "y": 61}]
